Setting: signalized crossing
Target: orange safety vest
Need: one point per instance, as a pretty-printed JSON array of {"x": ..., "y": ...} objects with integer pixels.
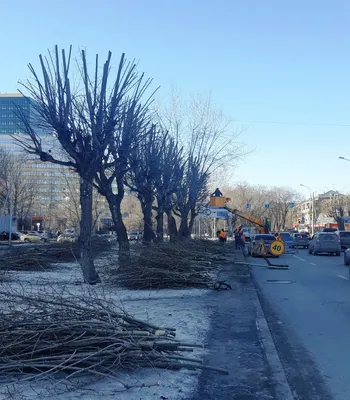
[{"x": 222, "y": 234}]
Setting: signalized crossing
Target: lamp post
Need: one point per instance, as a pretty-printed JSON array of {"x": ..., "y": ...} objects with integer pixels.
[
  {"x": 344, "y": 158},
  {"x": 312, "y": 207}
]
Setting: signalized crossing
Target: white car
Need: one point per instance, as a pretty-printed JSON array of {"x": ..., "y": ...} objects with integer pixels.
[
  {"x": 33, "y": 237},
  {"x": 67, "y": 238}
]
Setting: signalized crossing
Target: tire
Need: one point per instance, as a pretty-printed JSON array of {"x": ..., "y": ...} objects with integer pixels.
[
  {"x": 310, "y": 251},
  {"x": 26, "y": 240},
  {"x": 42, "y": 240},
  {"x": 346, "y": 262},
  {"x": 338, "y": 253},
  {"x": 314, "y": 252}
]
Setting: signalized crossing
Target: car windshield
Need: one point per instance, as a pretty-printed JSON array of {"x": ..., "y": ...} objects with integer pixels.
[
  {"x": 344, "y": 234},
  {"x": 285, "y": 235},
  {"x": 264, "y": 237}
]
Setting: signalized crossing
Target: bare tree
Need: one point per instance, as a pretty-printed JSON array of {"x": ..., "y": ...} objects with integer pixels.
[
  {"x": 93, "y": 123},
  {"x": 336, "y": 207},
  {"x": 167, "y": 183},
  {"x": 203, "y": 131},
  {"x": 24, "y": 191},
  {"x": 144, "y": 169}
]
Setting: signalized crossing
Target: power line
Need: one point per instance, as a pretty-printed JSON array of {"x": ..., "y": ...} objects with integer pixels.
[{"x": 293, "y": 123}]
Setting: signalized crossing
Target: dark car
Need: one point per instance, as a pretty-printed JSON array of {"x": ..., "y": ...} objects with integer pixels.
[
  {"x": 325, "y": 242},
  {"x": 301, "y": 240},
  {"x": 344, "y": 239},
  {"x": 4, "y": 236},
  {"x": 287, "y": 239},
  {"x": 268, "y": 239}
]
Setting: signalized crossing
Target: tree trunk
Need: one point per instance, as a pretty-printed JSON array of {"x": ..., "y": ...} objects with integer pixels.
[
  {"x": 148, "y": 234},
  {"x": 172, "y": 229},
  {"x": 192, "y": 219},
  {"x": 160, "y": 226},
  {"x": 86, "y": 261},
  {"x": 183, "y": 230},
  {"x": 114, "y": 202}
]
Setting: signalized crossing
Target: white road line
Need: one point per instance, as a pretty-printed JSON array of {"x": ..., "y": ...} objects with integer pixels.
[
  {"x": 299, "y": 258},
  {"x": 312, "y": 264},
  {"x": 343, "y": 277}
]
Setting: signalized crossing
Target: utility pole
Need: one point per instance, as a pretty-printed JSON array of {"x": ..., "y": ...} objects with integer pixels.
[{"x": 313, "y": 213}]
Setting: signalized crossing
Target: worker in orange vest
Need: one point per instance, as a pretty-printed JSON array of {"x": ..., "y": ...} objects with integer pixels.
[{"x": 222, "y": 236}]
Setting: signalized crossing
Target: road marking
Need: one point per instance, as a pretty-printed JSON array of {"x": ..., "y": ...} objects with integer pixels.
[
  {"x": 343, "y": 277},
  {"x": 299, "y": 258},
  {"x": 312, "y": 264}
]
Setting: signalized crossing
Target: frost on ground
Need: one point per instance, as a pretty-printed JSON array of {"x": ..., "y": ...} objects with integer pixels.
[{"x": 179, "y": 309}]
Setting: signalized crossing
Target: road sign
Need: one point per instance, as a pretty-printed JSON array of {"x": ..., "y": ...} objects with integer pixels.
[
  {"x": 267, "y": 205},
  {"x": 248, "y": 205},
  {"x": 213, "y": 212},
  {"x": 277, "y": 248},
  {"x": 291, "y": 204}
]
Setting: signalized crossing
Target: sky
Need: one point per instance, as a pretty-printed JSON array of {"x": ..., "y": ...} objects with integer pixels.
[{"x": 279, "y": 69}]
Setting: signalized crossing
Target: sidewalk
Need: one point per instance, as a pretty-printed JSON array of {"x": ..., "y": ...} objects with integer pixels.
[{"x": 236, "y": 342}]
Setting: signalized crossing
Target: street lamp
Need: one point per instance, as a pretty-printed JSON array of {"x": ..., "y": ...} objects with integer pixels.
[
  {"x": 343, "y": 158},
  {"x": 312, "y": 207}
]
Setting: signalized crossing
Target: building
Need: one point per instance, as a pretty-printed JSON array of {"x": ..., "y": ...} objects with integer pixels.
[
  {"x": 303, "y": 211},
  {"x": 56, "y": 187}
]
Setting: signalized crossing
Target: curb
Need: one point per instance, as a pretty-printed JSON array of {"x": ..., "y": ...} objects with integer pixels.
[{"x": 283, "y": 390}]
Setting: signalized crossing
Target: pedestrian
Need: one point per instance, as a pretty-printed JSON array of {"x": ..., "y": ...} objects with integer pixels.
[{"x": 237, "y": 238}]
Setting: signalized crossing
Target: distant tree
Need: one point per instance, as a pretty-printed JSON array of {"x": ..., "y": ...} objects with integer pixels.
[{"x": 335, "y": 207}]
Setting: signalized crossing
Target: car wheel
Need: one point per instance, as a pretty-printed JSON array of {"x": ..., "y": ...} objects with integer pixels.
[
  {"x": 42, "y": 240},
  {"x": 314, "y": 252},
  {"x": 310, "y": 251},
  {"x": 26, "y": 240},
  {"x": 346, "y": 261},
  {"x": 338, "y": 253}
]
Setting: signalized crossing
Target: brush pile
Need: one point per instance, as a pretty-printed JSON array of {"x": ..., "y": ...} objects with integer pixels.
[
  {"x": 43, "y": 335},
  {"x": 38, "y": 257},
  {"x": 173, "y": 265}
]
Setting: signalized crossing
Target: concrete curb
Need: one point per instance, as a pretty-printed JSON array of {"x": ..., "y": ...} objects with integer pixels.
[{"x": 283, "y": 391}]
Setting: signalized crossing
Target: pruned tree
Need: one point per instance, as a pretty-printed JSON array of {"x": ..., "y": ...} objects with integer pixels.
[
  {"x": 203, "y": 131},
  {"x": 145, "y": 167},
  {"x": 94, "y": 122},
  {"x": 167, "y": 183}
]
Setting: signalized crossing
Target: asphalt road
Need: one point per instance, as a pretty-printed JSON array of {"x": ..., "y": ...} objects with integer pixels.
[{"x": 308, "y": 311}]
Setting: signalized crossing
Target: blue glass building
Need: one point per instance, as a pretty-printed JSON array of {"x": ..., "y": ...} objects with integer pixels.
[{"x": 10, "y": 122}]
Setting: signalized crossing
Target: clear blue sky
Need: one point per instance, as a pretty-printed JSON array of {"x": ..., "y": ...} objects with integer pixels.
[{"x": 279, "y": 68}]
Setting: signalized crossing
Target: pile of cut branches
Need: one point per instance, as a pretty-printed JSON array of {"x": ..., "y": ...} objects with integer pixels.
[
  {"x": 42, "y": 256},
  {"x": 172, "y": 265},
  {"x": 42, "y": 336}
]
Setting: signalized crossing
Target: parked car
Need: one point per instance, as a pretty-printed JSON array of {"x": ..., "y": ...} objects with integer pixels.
[
  {"x": 134, "y": 236},
  {"x": 325, "y": 242},
  {"x": 268, "y": 239},
  {"x": 347, "y": 257},
  {"x": 67, "y": 238},
  {"x": 287, "y": 239},
  {"x": 33, "y": 236},
  {"x": 344, "y": 239},
  {"x": 4, "y": 236},
  {"x": 301, "y": 240},
  {"x": 249, "y": 232}
]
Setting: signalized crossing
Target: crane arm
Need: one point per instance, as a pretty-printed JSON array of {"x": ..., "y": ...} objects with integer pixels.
[{"x": 249, "y": 218}]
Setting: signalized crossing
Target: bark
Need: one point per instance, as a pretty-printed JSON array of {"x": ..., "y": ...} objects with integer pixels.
[
  {"x": 148, "y": 234},
  {"x": 160, "y": 226},
  {"x": 183, "y": 230},
  {"x": 172, "y": 229},
  {"x": 114, "y": 202},
  {"x": 86, "y": 261},
  {"x": 191, "y": 223}
]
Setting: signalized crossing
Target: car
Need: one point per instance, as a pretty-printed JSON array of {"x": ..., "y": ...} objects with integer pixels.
[
  {"x": 267, "y": 238},
  {"x": 33, "y": 237},
  {"x": 249, "y": 232},
  {"x": 344, "y": 239},
  {"x": 134, "y": 236},
  {"x": 4, "y": 236},
  {"x": 325, "y": 242},
  {"x": 329, "y": 230},
  {"x": 301, "y": 240},
  {"x": 287, "y": 239},
  {"x": 347, "y": 257},
  {"x": 67, "y": 238}
]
